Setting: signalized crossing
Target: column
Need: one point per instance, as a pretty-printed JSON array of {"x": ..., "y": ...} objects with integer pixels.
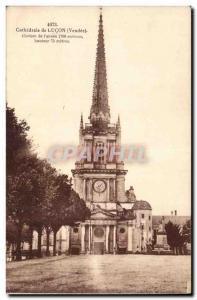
[
  {"x": 59, "y": 240},
  {"x": 91, "y": 184},
  {"x": 140, "y": 239},
  {"x": 107, "y": 239},
  {"x": 114, "y": 190},
  {"x": 82, "y": 238},
  {"x": 130, "y": 232},
  {"x": 114, "y": 239},
  {"x": 91, "y": 247},
  {"x": 89, "y": 238},
  {"x": 111, "y": 189},
  {"x": 69, "y": 240},
  {"x": 84, "y": 189},
  {"x": 108, "y": 190},
  {"x": 35, "y": 240}
]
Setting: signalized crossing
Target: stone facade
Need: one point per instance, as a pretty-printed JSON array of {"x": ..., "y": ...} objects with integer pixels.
[{"x": 119, "y": 223}]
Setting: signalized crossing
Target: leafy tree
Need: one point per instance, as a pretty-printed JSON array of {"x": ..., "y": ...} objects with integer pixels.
[
  {"x": 11, "y": 233},
  {"x": 17, "y": 143},
  {"x": 36, "y": 195},
  {"x": 67, "y": 207},
  {"x": 175, "y": 238},
  {"x": 59, "y": 204},
  {"x": 44, "y": 193},
  {"x": 24, "y": 193},
  {"x": 17, "y": 148},
  {"x": 187, "y": 231}
]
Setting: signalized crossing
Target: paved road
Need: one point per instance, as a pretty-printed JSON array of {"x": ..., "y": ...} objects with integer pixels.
[{"x": 101, "y": 274}]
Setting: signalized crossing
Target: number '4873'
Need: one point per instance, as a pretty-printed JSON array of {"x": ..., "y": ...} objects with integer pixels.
[{"x": 51, "y": 24}]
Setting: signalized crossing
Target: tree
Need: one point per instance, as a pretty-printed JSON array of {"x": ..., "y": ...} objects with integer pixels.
[
  {"x": 67, "y": 207},
  {"x": 17, "y": 148},
  {"x": 175, "y": 238},
  {"x": 187, "y": 231},
  {"x": 59, "y": 203},
  {"x": 17, "y": 143},
  {"x": 44, "y": 193},
  {"x": 11, "y": 233},
  {"x": 36, "y": 195},
  {"x": 24, "y": 192}
]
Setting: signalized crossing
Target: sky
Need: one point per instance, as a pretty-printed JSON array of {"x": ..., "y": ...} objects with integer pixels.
[{"x": 148, "y": 72}]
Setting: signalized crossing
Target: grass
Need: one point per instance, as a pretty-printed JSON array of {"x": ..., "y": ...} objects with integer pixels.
[{"x": 144, "y": 274}]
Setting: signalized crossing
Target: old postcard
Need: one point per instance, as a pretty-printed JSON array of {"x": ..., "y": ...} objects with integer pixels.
[{"x": 98, "y": 138}]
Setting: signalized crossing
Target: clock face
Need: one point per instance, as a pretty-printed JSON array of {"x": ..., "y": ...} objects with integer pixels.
[{"x": 99, "y": 186}]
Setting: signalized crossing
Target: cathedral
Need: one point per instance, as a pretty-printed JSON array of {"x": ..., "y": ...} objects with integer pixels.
[{"x": 119, "y": 223}]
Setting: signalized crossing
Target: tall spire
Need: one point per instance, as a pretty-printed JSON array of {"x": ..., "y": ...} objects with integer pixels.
[{"x": 100, "y": 112}]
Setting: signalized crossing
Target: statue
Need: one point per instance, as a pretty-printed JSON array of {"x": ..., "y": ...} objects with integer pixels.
[{"x": 130, "y": 194}]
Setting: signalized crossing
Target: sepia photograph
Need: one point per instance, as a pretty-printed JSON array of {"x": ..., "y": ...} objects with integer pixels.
[{"x": 98, "y": 150}]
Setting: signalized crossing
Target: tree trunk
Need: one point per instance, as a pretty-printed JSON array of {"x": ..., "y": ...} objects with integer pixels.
[
  {"x": 31, "y": 242},
  {"x": 69, "y": 249},
  {"x": 39, "y": 242},
  {"x": 18, "y": 244},
  {"x": 54, "y": 242},
  {"x": 47, "y": 249}
]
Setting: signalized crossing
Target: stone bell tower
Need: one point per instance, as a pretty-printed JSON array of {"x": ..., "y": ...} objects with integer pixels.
[
  {"x": 118, "y": 222},
  {"x": 99, "y": 175}
]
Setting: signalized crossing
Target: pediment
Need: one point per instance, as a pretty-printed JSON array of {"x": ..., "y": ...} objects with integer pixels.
[{"x": 100, "y": 214}]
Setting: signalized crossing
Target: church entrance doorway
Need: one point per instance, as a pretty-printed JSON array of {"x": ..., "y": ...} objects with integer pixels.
[
  {"x": 99, "y": 240},
  {"x": 98, "y": 247}
]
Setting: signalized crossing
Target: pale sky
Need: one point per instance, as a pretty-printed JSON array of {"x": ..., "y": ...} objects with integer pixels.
[{"x": 148, "y": 71}]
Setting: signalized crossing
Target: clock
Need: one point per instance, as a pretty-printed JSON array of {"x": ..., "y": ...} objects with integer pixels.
[{"x": 99, "y": 186}]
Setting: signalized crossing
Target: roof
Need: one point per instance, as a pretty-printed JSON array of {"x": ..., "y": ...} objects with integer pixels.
[
  {"x": 141, "y": 204},
  {"x": 179, "y": 220}
]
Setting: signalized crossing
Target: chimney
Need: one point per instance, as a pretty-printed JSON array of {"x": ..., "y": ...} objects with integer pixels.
[{"x": 175, "y": 212}]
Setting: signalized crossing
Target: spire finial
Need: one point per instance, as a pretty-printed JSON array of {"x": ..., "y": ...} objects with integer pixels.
[{"x": 118, "y": 122}]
